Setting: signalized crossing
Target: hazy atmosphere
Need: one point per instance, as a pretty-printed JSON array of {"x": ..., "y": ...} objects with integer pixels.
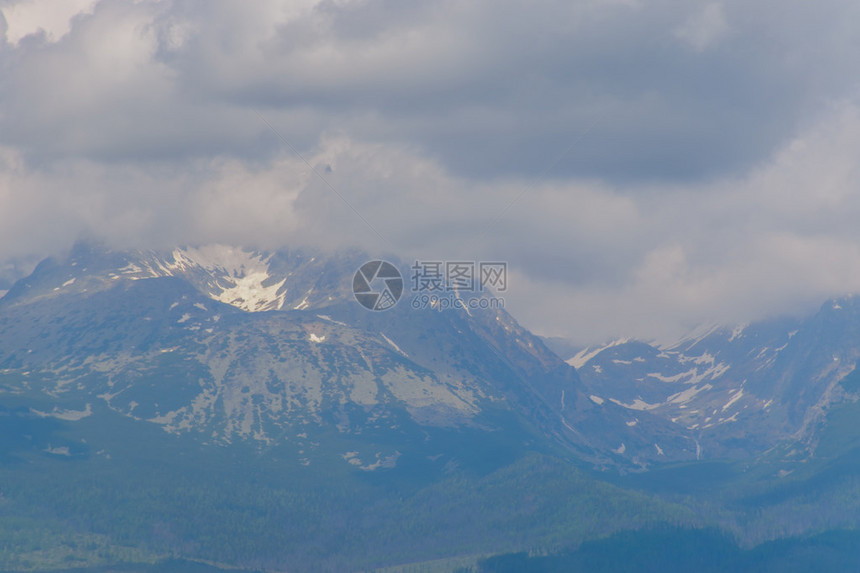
[{"x": 642, "y": 166}]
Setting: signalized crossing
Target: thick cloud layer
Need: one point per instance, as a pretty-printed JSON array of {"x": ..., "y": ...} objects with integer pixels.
[{"x": 643, "y": 166}]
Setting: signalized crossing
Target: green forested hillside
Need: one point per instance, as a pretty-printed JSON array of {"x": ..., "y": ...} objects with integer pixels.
[{"x": 66, "y": 502}]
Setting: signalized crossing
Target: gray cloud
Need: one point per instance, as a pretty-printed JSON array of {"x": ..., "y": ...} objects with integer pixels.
[
  {"x": 643, "y": 166},
  {"x": 489, "y": 89}
]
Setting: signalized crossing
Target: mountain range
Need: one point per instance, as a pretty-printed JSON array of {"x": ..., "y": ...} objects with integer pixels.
[
  {"x": 235, "y": 407},
  {"x": 739, "y": 391}
]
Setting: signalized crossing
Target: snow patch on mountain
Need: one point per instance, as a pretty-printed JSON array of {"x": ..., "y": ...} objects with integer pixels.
[
  {"x": 738, "y": 394},
  {"x": 582, "y": 357},
  {"x": 637, "y": 404},
  {"x": 59, "y": 451},
  {"x": 393, "y": 345},
  {"x": 66, "y": 415},
  {"x": 235, "y": 276},
  {"x": 694, "y": 375},
  {"x": 688, "y": 394},
  {"x": 691, "y": 339},
  {"x": 249, "y": 285},
  {"x": 330, "y": 319},
  {"x": 738, "y": 331}
]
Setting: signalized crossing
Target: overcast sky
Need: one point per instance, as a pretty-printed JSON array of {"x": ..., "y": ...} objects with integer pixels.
[{"x": 643, "y": 166}]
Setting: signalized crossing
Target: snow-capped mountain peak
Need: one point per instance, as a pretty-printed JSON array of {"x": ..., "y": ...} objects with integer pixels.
[{"x": 236, "y": 276}]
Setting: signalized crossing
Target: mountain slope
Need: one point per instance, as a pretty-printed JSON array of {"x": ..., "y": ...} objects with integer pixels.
[
  {"x": 238, "y": 344},
  {"x": 242, "y": 408},
  {"x": 736, "y": 391}
]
